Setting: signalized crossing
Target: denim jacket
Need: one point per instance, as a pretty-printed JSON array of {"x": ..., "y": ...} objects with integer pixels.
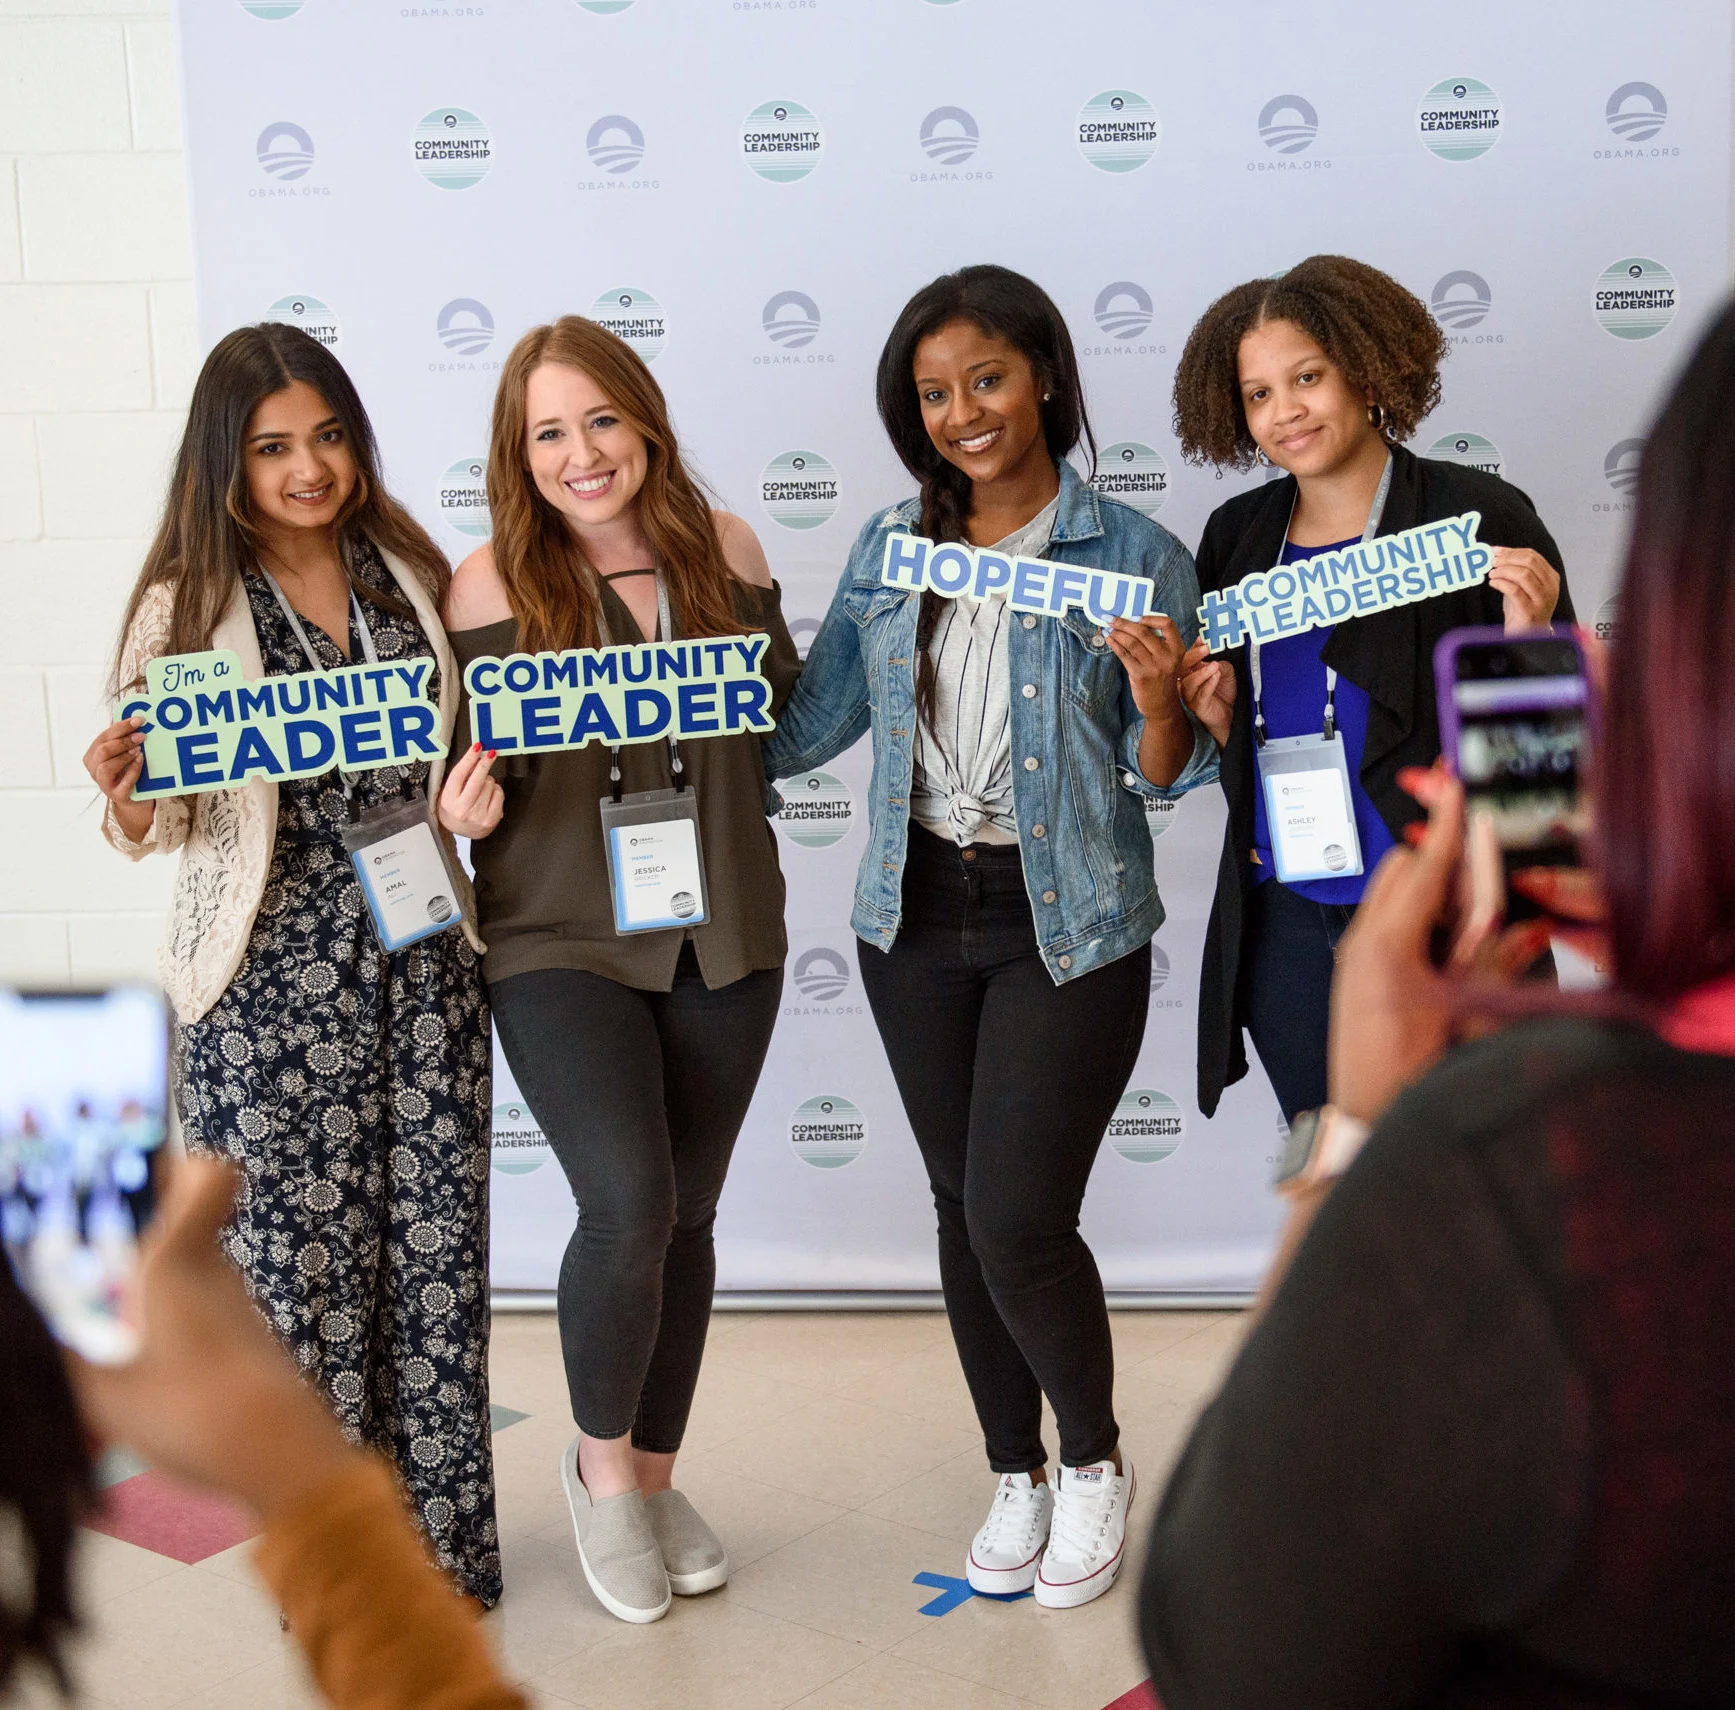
[{"x": 1077, "y": 788}]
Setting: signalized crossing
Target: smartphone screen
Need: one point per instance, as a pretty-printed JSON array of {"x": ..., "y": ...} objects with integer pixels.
[
  {"x": 83, "y": 1113},
  {"x": 1521, "y": 708}
]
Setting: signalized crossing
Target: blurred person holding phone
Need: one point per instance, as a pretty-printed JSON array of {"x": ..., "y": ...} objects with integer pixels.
[
  {"x": 348, "y": 1079},
  {"x": 208, "y": 1398},
  {"x": 1320, "y": 374},
  {"x": 1478, "y": 1448}
]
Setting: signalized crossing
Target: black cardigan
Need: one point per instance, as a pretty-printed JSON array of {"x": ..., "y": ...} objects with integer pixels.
[{"x": 1390, "y": 654}]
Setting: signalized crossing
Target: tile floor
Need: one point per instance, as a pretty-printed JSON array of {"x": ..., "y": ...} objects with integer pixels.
[{"x": 837, "y": 1456}]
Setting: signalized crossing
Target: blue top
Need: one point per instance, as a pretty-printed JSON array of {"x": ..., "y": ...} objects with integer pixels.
[{"x": 1294, "y": 701}]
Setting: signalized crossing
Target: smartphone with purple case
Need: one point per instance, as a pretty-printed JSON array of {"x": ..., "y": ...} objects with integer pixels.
[{"x": 1517, "y": 727}]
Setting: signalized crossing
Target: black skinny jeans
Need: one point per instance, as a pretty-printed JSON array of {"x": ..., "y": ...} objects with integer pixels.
[
  {"x": 1009, "y": 1082},
  {"x": 641, "y": 1095},
  {"x": 1288, "y": 955}
]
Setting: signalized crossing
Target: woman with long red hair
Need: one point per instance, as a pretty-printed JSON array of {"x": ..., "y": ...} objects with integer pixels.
[{"x": 636, "y": 1047}]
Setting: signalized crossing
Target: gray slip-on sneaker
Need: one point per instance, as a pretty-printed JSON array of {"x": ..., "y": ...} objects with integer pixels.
[
  {"x": 616, "y": 1548},
  {"x": 692, "y": 1553}
]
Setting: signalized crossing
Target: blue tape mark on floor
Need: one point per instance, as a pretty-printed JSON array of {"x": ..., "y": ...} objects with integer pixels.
[{"x": 956, "y": 1591}]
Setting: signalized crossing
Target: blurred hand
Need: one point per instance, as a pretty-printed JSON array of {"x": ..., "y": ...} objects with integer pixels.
[
  {"x": 1392, "y": 1012},
  {"x": 1207, "y": 688},
  {"x": 471, "y": 802},
  {"x": 1529, "y": 586},
  {"x": 211, "y": 1398},
  {"x": 114, "y": 762}
]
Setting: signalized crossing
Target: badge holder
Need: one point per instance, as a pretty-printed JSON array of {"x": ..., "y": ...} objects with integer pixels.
[
  {"x": 406, "y": 878},
  {"x": 656, "y": 868},
  {"x": 1308, "y": 808}
]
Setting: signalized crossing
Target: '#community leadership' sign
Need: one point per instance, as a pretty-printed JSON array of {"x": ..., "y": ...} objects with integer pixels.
[
  {"x": 1035, "y": 585},
  {"x": 1356, "y": 581},
  {"x": 210, "y": 729},
  {"x": 620, "y": 695}
]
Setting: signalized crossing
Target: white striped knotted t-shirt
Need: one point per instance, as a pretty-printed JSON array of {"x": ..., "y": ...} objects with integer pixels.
[{"x": 962, "y": 788}]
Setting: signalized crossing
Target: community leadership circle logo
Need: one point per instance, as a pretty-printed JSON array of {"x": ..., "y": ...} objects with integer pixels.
[
  {"x": 820, "y": 975},
  {"x": 782, "y": 141},
  {"x": 464, "y": 497},
  {"x": 1135, "y": 473},
  {"x": 1635, "y": 298},
  {"x": 1461, "y": 300},
  {"x": 1460, "y": 119},
  {"x": 1468, "y": 451},
  {"x": 1621, "y": 467},
  {"x": 1123, "y": 310},
  {"x": 465, "y": 327},
  {"x": 1159, "y": 968},
  {"x": 1118, "y": 131},
  {"x": 311, "y": 315},
  {"x": 949, "y": 136},
  {"x": 790, "y": 320},
  {"x": 827, "y": 1132},
  {"x": 519, "y": 1143},
  {"x": 1288, "y": 124},
  {"x": 817, "y": 810},
  {"x": 1159, "y": 816},
  {"x": 799, "y": 489},
  {"x": 802, "y": 630},
  {"x": 605, "y": 8},
  {"x": 634, "y": 316},
  {"x": 285, "y": 151},
  {"x": 271, "y": 10},
  {"x": 453, "y": 148},
  {"x": 1636, "y": 112},
  {"x": 1146, "y": 1126},
  {"x": 1608, "y": 616},
  {"x": 615, "y": 143}
]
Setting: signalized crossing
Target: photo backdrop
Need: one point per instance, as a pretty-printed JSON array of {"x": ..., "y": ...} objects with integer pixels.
[{"x": 748, "y": 190}]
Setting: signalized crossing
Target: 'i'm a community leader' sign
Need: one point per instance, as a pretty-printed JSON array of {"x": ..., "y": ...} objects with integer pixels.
[{"x": 208, "y": 728}]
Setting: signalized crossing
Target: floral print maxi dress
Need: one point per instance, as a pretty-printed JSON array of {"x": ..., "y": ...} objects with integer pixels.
[{"x": 352, "y": 1086}]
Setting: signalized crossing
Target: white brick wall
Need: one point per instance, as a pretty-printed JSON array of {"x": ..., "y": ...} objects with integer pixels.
[{"x": 98, "y": 348}]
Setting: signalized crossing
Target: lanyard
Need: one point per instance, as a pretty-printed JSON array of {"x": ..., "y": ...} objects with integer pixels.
[
  {"x": 665, "y": 632},
  {"x": 1375, "y": 512},
  {"x": 367, "y": 647}
]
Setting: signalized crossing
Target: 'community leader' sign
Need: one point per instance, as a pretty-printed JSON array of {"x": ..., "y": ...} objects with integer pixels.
[
  {"x": 620, "y": 695},
  {"x": 1371, "y": 576},
  {"x": 1036, "y": 585},
  {"x": 208, "y": 728}
]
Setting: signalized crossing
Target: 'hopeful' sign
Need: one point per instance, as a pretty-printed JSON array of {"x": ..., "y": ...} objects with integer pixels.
[
  {"x": 620, "y": 695},
  {"x": 1354, "y": 581},
  {"x": 211, "y": 729},
  {"x": 1035, "y": 585}
]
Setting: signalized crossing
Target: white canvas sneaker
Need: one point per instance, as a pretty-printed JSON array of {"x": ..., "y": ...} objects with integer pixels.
[
  {"x": 1006, "y": 1552},
  {"x": 1087, "y": 1540}
]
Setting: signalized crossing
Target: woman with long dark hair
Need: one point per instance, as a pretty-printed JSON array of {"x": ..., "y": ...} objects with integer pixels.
[
  {"x": 1321, "y": 374},
  {"x": 350, "y": 1082},
  {"x": 637, "y": 1047},
  {"x": 1005, "y": 899},
  {"x": 1478, "y": 1449}
]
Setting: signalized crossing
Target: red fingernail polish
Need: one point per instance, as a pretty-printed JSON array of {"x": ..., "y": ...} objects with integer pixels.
[{"x": 490, "y": 753}]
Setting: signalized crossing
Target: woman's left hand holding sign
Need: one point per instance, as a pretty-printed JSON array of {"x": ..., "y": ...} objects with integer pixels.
[
  {"x": 114, "y": 762},
  {"x": 471, "y": 802}
]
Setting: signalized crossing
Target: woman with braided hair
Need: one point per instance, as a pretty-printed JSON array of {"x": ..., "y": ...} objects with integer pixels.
[
  {"x": 1321, "y": 374},
  {"x": 1005, "y": 898}
]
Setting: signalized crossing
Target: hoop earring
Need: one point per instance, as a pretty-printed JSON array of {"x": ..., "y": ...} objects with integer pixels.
[
  {"x": 1377, "y": 418},
  {"x": 1046, "y": 396},
  {"x": 1260, "y": 455}
]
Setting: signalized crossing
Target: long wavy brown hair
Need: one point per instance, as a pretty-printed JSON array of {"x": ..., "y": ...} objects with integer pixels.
[
  {"x": 552, "y": 588},
  {"x": 208, "y": 537}
]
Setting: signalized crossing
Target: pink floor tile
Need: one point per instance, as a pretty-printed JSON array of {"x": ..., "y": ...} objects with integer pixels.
[{"x": 157, "y": 1514}]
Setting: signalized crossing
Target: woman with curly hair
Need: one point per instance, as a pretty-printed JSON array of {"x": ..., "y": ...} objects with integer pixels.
[{"x": 1322, "y": 373}]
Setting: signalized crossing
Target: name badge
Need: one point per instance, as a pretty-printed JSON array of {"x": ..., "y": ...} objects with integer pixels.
[
  {"x": 410, "y": 891},
  {"x": 656, "y": 871},
  {"x": 1309, "y": 808}
]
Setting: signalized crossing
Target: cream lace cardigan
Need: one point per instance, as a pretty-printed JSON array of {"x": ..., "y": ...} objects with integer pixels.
[{"x": 226, "y": 836}]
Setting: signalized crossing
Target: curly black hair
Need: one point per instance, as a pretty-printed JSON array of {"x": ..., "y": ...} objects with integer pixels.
[
  {"x": 1379, "y": 334},
  {"x": 46, "y": 1485}
]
